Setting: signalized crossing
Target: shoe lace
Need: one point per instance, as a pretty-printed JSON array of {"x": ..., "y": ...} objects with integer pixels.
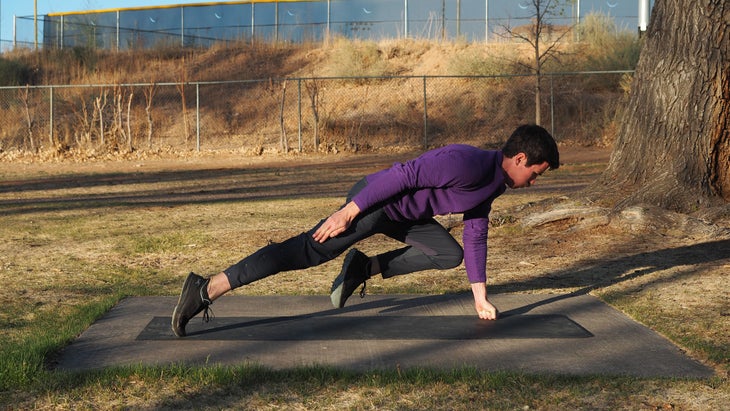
[
  {"x": 207, "y": 311},
  {"x": 362, "y": 290}
]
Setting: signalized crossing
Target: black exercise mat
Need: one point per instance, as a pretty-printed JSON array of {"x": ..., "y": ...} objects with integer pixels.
[{"x": 310, "y": 328}]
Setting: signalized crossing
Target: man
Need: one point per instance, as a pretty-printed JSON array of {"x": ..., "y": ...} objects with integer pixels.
[{"x": 399, "y": 202}]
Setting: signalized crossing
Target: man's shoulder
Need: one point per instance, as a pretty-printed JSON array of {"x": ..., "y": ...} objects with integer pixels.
[
  {"x": 469, "y": 163},
  {"x": 461, "y": 159},
  {"x": 464, "y": 148}
]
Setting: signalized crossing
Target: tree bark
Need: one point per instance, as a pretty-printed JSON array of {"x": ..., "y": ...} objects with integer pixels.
[{"x": 673, "y": 145}]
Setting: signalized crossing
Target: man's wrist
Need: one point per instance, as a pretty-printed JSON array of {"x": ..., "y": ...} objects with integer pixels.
[
  {"x": 479, "y": 290},
  {"x": 352, "y": 209}
]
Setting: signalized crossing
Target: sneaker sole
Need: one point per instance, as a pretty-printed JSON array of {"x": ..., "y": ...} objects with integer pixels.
[
  {"x": 172, "y": 324},
  {"x": 336, "y": 294},
  {"x": 185, "y": 287}
]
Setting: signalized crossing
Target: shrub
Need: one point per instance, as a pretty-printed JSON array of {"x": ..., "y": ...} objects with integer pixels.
[
  {"x": 14, "y": 73},
  {"x": 358, "y": 59},
  {"x": 473, "y": 61},
  {"x": 607, "y": 47}
]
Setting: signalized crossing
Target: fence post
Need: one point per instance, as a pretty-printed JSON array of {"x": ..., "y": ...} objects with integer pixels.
[
  {"x": 62, "y": 32},
  {"x": 276, "y": 22},
  {"x": 299, "y": 109},
  {"x": 552, "y": 107},
  {"x": 197, "y": 116},
  {"x": 486, "y": 21},
  {"x": 50, "y": 132},
  {"x": 329, "y": 15},
  {"x": 182, "y": 26},
  {"x": 253, "y": 21},
  {"x": 405, "y": 18},
  {"x": 425, "y": 115},
  {"x": 117, "y": 30}
]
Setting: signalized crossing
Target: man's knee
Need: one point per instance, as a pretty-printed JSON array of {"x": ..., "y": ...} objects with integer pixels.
[{"x": 449, "y": 260}]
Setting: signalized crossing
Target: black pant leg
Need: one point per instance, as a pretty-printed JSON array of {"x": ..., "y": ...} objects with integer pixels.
[{"x": 302, "y": 251}]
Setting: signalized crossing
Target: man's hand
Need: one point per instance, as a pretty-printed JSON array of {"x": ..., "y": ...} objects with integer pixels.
[
  {"x": 484, "y": 308},
  {"x": 337, "y": 222}
]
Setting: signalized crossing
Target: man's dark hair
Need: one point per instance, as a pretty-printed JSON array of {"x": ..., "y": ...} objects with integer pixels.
[{"x": 537, "y": 144}]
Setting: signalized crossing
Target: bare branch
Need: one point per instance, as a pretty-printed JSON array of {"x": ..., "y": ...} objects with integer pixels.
[
  {"x": 149, "y": 94},
  {"x": 284, "y": 142}
]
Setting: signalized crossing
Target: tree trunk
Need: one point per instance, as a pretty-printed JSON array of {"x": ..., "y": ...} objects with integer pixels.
[
  {"x": 538, "y": 28},
  {"x": 284, "y": 141},
  {"x": 673, "y": 143},
  {"x": 538, "y": 80}
]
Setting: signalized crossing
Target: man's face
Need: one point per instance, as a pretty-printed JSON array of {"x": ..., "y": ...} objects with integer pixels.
[{"x": 521, "y": 175}]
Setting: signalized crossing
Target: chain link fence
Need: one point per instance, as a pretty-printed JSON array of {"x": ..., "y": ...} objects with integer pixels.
[
  {"x": 205, "y": 24},
  {"x": 305, "y": 114}
]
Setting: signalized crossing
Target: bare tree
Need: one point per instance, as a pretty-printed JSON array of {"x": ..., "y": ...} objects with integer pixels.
[
  {"x": 181, "y": 90},
  {"x": 117, "y": 118},
  {"x": 122, "y": 129},
  {"x": 129, "y": 122},
  {"x": 543, "y": 39},
  {"x": 100, "y": 104},
  {"x": 673, "y": 143},
  {"x": 25, "y": 97},
  {"x": 85, "y": 125},
  {"x": 284, "y": 141},
  {"x": 314, "y": 97},
  {"x": 149, "y": 94}
]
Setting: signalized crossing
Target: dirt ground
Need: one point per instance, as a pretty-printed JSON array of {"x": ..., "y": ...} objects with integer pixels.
[{"x": 661, "y": 268}]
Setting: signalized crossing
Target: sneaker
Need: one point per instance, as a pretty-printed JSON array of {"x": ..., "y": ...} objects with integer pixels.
[
  {"x": 193, "y": 299},
  {"x": 354, "y": 272}
]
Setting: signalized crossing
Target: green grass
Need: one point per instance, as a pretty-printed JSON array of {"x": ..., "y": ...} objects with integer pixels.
[{"x": 23, "y": 362}]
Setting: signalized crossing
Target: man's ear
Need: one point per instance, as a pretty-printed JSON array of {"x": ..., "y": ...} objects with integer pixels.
[{"x": 520, "y": 159}]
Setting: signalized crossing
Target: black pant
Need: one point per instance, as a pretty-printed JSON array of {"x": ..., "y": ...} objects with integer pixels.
[{"x": 429, "y": 246}]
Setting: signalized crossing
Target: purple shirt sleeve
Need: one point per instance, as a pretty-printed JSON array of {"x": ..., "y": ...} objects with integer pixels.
[
  {"x": 475, "y": 250},
  {"x": 474, "y": 237}
]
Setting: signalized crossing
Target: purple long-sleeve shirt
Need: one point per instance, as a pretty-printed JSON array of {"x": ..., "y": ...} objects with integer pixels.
[{"x": 453, "y": 179}]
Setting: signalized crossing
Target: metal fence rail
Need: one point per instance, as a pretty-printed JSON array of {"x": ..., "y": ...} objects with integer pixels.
[{"x": 303, "y": 114}]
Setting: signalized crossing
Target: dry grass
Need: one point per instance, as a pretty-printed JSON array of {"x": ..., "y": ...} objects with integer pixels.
[{"x": 79, "y": 233}]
